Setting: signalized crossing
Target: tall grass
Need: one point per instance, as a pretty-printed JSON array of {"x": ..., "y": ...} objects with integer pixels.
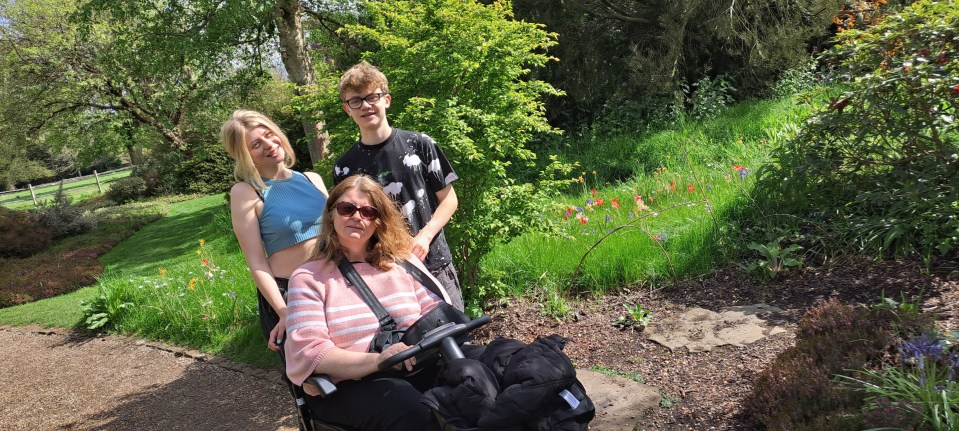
[
  {"x": 672, "y": 218},
  {"x": 184, "y": 280},
  {"x": 181, "y": 279}
]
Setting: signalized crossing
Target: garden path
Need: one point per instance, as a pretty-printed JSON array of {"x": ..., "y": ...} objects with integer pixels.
[{"x": 55, "y": 379}]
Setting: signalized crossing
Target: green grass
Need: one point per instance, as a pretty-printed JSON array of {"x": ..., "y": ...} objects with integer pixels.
[
  {"x": 165, "y": 283},
  {"x": 681, "y": 233},
  {"x": 76, "y": 191},
  {"x": 152, "y": 273}
]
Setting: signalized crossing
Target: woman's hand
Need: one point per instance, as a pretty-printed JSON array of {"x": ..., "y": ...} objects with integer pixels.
[
  {"x": 393, "y": 350},
  {"x": 277, "y": 334}
]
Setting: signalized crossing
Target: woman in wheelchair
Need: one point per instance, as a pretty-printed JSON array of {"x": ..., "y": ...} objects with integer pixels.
[{"x": 330, "y": 327}]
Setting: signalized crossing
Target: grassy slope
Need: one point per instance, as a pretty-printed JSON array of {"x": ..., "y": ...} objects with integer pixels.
[
  {"x": 149, "y": 248},
  {"x": 664, "y": 167}
]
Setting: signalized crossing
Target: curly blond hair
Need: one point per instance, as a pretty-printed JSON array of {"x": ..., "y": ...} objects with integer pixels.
[{"x": 361, "y": 77}]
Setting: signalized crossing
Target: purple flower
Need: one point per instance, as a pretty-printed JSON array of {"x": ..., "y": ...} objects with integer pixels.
[
  {"x": 608, "y": 219},
  {"x": 917, "y": 349},
  {"x": 953, "y": 363},
  {"x": 742, "y": 173}
]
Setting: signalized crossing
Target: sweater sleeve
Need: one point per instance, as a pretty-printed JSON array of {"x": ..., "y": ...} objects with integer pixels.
[{"x": 308, "y": 336}]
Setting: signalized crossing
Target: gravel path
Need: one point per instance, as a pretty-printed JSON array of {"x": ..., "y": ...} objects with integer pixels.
[{"x": 56, "y": 380}]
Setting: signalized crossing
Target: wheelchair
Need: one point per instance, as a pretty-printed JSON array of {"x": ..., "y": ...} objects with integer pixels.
[{"x": 442, "y": 339}]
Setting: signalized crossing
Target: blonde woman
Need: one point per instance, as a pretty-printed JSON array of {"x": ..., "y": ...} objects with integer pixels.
[{"x": 276, "y": 212}]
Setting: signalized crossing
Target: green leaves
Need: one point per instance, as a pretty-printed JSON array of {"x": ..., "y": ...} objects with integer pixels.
[
  {"x": 459, "y": 72},
  {"x": 880, "y": 156},
  {"x": 774, "y": 260}
]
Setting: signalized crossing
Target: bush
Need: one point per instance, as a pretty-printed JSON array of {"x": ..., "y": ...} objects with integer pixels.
[
  {"x": 878, "y": 164},
  {"x": 460, "y": 72},
  {"x": 797, "y": 391},
  {"x": 207, "y": 171},
  {"x": 62, "y": 218},
  {"x": 21, "y": 234},
  {"x": 127, "y": 189}
]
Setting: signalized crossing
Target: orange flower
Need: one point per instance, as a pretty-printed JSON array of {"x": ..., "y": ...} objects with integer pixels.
[{"x": 690, "y": 188}]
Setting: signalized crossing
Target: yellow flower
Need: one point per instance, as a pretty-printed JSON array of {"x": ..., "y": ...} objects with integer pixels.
[
  {"x": 202, "y": 242},
  {"x": 162, "y": 271},
  {"x": 199, "y": 252},
  {"x": 193, "y": 283}
]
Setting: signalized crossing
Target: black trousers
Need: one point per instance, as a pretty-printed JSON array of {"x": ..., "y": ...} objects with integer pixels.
[
  {"x": 268, "y": 316},
  {"x": 374, "y": 404}
]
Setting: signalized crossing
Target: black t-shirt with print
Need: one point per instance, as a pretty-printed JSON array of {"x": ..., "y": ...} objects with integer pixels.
[{"x": 411, "y": 168}]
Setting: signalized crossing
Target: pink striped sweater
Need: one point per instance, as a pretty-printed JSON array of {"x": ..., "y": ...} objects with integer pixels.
[{"x": 324, "y": 312}]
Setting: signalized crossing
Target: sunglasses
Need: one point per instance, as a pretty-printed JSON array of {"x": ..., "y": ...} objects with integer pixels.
[{"x": 347, "y": 209}]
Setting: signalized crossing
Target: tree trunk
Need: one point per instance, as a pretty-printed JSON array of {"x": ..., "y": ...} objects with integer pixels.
[{"x": 299, "y": 67}]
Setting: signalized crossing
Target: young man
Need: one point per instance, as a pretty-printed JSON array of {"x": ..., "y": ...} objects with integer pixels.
[{"x": 409, "y": 165}]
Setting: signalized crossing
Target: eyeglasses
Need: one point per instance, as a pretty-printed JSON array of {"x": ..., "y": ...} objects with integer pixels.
[
  {"x": 357, "y": 102},
  {"x": 347, "y": 209}
]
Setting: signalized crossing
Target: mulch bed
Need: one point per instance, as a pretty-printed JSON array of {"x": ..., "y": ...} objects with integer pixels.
[{"x": 705, "y": 391}]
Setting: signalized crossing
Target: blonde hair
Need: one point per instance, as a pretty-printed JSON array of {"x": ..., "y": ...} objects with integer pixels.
[
  {"x": 363, "y": 76},
  {"x": 233, "y": 136},
  {"x": 391, "y": 242}
]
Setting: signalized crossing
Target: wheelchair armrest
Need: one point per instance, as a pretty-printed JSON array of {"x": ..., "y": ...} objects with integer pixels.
[{"x": 323, "y": 382}]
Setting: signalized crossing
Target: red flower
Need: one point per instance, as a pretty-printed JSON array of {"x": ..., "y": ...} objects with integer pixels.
[
  {"x": 615, "y": 203},
  {"x": 690, "y": 188},
  {"x": 599, "y": 202},
  {"x": 593, "y": 192},
  {"x": 672, "y": 186},
  {"x": 841, "y": 104},
  {"x": 955, "y": 90}
]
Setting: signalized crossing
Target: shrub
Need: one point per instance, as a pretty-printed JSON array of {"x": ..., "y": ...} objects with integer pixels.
[
  {"x": 797, "y": 391},
  {"x": 127, "y": 189},
  {"x": 62, "y": 218},
  {"x": 21, "y": 234},
  {"x": 208, "y": 170},
  {"x": 878, "y": 164},
  {"x": 460, "y": 72}
]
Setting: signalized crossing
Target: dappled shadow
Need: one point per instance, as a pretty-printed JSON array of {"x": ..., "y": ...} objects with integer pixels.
[
  {"x": 856, "y": 280},
  {"x": 205, "y": 397},
  {"x": 55, "y": 379}
]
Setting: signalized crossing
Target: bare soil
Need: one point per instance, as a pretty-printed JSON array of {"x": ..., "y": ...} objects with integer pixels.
[{"x": 56, "y": 379}]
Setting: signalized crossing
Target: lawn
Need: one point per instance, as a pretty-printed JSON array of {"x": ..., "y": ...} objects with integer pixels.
[{"x": 76, "y": 190}]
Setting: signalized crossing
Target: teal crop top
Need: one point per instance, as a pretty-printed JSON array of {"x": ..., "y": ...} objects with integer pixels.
[{"x": 292, "y": 210}]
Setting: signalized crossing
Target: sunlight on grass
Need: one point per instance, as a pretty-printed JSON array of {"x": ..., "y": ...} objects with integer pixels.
[
  {"x": 670, "y": 220},
  {"x": 181, "y": 279},
  {"x": 77, "y": 191},
  {"x": 184, "y": 280}
]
